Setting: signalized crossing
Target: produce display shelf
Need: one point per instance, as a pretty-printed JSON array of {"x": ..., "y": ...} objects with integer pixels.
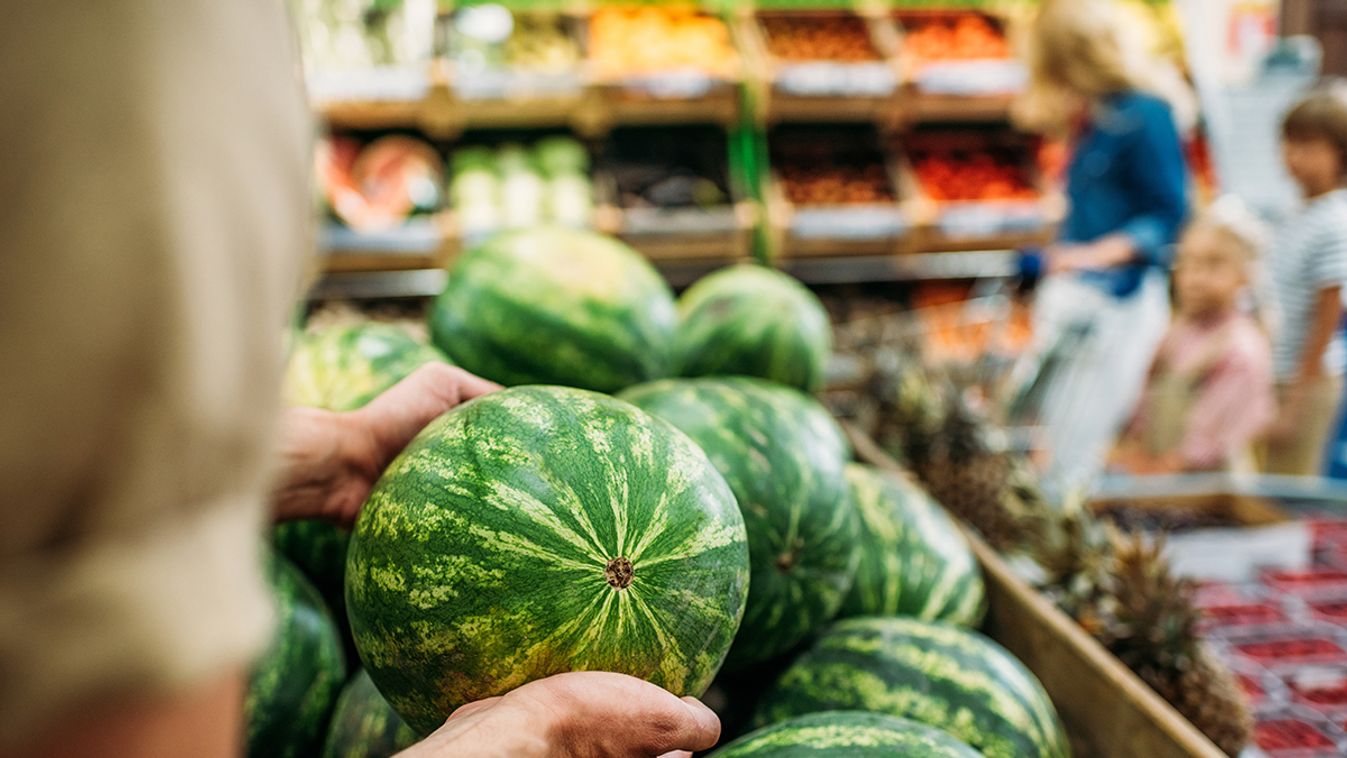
[
  {"x": 379, "y": 285},
  {"x": 1107, "y": 710}
]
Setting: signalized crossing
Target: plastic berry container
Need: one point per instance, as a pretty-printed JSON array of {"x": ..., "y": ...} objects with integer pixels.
[
  {"x": 1307, "y": 583},
  {"x": 1281, "y": 646},
  {"x": 1294, "y": 734}
]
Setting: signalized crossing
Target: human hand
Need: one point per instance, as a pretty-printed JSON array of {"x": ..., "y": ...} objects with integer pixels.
[
  {"x": 1283, "y": 429},
  {"x": 586, "y": 714},
  {"x": 332, "y": 460}
]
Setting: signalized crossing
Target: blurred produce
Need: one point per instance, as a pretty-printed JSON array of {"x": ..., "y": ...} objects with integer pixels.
[
  {"x": 645, "y": 40},
  {"x": 668, "y": 168},
  {"x": 513, "y": 187},
  {"x": 819, "y": 37},
  {"x": 834, "y": 167},
  {"x": 354, "y": 34},
  {"x": 541, "y": 42},
  {"x": 1131, "y": 518},
  {"x": 961, "y": 36},
  {"x": 491, "y": 36},
  {"x": 964, "y": 175},
  {"x": 377, "y": 186}
]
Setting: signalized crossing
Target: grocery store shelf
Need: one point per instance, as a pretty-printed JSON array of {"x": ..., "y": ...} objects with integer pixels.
[
  {"x": 377, "y": 285},
  {"x": 978, "y": 264}
]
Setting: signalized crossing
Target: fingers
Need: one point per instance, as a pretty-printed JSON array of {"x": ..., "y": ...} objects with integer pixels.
[
  {"x": 599, "y": 713},
  {"x": 399, "y": 413}
]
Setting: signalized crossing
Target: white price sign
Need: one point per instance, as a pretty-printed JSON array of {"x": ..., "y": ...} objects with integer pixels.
[
  {"x": 861, "y": 222},
  {"x": 832, "y": 79}
]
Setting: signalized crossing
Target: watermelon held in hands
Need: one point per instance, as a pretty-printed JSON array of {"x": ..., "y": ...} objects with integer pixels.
[
  {"x": 937, "y": 674},
  {"x": 749, "y": 320},
  {"x": 847, "y": 734},
  {"x": 783, "y": 456},
  {"x": 540, "y": 530},
  {"x": 364, "y": 725},
  {"x": 914, "y": 559},
  {"x": 556, "y": 306},
  {"x": 296, "y": 682}
]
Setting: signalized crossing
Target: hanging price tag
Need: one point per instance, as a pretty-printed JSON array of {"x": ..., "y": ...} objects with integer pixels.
[
  {"x": 380, "y": 84},
  {"x": 985, "y": 219},
  {"x": 860, "y": 222},
  {"x": 684, "y": 84},
  {"x": 692, "y": 221},
  {"x": 972, "y": 78},
  {"x": 831, "y": 79}
]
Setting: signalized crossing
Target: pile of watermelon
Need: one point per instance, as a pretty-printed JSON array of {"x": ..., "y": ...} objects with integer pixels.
[{"x": 602, "y": 513}]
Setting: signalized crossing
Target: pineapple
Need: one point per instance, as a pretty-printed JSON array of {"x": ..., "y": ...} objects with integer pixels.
[
  {"x": 967, "y": 468},
  {"x": 1145, "y": 616},
  {"x": 1073, "y": 555}
]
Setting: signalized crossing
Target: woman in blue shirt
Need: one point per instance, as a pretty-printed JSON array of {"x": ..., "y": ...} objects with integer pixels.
[{"x": 1104, "y": 301}]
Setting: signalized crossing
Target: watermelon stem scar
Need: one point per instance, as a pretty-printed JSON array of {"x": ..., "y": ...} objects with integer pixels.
[{"x": 618, "y": 572}]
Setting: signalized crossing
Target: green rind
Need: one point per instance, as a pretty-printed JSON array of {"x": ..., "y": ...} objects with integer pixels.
[
  {"x": 342, "y": 368},
  {"x": 364, "y": 725},
  {"x": 783, "y": 457},
  {"x": 847, "y": 734},
  {"x": 295, "y": 684},
  {"x": 937, "y": 674},
  {"x": 557, "y": 306},
  {"x": 750, "y": 320},
  {"x": 478, "y": 563},
  {"x": 914, "y": 560}
]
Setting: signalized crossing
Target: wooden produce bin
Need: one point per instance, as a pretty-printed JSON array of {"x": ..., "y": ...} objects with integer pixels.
[
  {"x": 706, "y": 88},
  {"x": 1008, "y": 206},
  {"x": 385, "y": 97},
  {"x": 809, "y": 224},
  {"x": 1107, "y": 710},
  {"x": 794, "y": 78},
  {"x": 957, "y": 65},
  {"x": 677, "y": 233},
  {"x": 512, "y": 97},
  {"x": 422, "y": 242}
]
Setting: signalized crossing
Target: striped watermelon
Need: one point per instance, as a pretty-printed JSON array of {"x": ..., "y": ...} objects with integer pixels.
[
  {"x": 941, "y": 675},
  {"x": 846, "y": 734},
  {"x": 556, "y": 306},
  {"x": 341, "y": 368},
  {"x": 750, "y": 320},
  {"x": 914, "y": 560},
  {"x": 364, "y": 725},
  {"x": 539, "y": 530},
  {"x": 296, "y": 682},
  {"x": 783, "y": 456}
]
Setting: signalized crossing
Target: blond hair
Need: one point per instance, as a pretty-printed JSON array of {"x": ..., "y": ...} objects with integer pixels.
[{"x": 1085, "y": 51}]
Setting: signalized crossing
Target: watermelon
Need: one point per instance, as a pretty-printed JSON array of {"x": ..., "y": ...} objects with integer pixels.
[
  {"x": 295, "y": 684},
  {"x": 750, "y": 320},
  {"x": 914, "y": 559},
  {"x": 341, "y": 368},
  {"x": 847, "y": 734},
  {"x": 556, "y": 306},
  {"x": 539, "y": 530},
  {"x": 783, "y": 456},
  {"x": 935, "y": 673},
  {"x": 364, "y": 725}
]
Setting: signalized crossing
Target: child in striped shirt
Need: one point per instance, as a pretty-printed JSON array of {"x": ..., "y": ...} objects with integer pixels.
[
  {"x": 1308, "y": 263},
  {"x": 1209, "y": 392}
]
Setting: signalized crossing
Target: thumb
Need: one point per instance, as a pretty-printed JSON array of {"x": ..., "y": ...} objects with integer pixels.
[{"x": 396, "y": 416}]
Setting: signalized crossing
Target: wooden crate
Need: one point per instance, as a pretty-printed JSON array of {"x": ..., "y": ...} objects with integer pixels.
[
  {"x": 818, "y": 90},
  {"x": 1108, "y": 711},
  {"x": 939, "y": 226},
  {"x": 857, "y": 229}
]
